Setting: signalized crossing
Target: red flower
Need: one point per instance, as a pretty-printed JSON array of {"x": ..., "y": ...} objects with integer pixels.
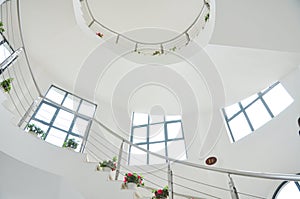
[
  {"x": 125, "y": 179},
  {"x": 139, "y": 177},
  {"x": 100, "y": 34},
  {"x": 160, "y": 192},
  {"x": 129, "y": 174}
]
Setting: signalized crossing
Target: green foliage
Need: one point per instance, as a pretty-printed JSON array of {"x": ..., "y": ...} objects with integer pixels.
[
  {"x": 161, "y": 193},
  {"x": 37, "y": 130},
  {"x": 206, "y": 17},
  {"x": 6, "y": 84},
  {"x": 1, "y": 27},
  {"x": 71, "y": 143},
  {"x": 109, "y": 163},
  {"x": 134, "y": 178}
]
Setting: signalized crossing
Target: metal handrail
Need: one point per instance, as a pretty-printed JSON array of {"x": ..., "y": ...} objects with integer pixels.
[
  {"x": 263, "y": 175},
  {"x": 205, "y": 3}
]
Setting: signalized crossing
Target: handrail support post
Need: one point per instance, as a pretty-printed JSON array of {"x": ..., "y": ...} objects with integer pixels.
[
  {"x": 233, "y": 191},
  {"x": 119, "y": 161},
  {"x": 170, "y": 181}
]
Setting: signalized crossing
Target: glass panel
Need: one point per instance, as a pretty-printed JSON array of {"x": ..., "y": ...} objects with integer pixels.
[
  {"x": 56, "y": 95},
  {"x": 4, "y": 52},
  {"x": 289, "y": 190},
  {"x": 176, "y": 150},
  {"x": 139, "y": 135},
  {"x": 78, "y": 140},
  {"x": 249, "y": 100},
  {"x": 80, "y": 126},
  {"x": 174, "y": 130},
  {"x": 140, "y": 119},
  {"x": 156, "y": 132},
  {"x": 87, "y": 109},
  {"x": 278, "y": 99},
  {"x": 45, "y": 113},
  {"x": 137, "y": 156},
  {"x": 258, "y": 114},
  {"x": 71, "y": 102},
  {"x": 63, "y": 120},
  {"x": 239, "y": 127},
  {"x": 232, "y": 109},
  {"x": 173, "y": 117},
  {"x": 160, "y": 149},
  {"x": 56, "y": 137},
  {"x": 156, "y": 118}
]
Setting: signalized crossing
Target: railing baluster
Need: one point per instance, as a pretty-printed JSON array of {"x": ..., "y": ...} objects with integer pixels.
[
  {"x": 119, "y": 161},
  {"x": 170, "y": 181},
  {"x": 233, "y": 191}
]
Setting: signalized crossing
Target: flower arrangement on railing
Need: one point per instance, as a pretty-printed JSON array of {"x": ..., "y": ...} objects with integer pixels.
[
  {"x": 1, "y": 27},
  {"x": 110, "y": 164},
  {"x": 33, "y": 129},
  {"x": 70, "y": 143},
  {"x": 133, "y": 178},
  {"x": 6, "y": 84},
  {"x": 161, "y": 193}
]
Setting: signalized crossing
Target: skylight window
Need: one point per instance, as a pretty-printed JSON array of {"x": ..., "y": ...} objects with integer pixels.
[
  {"x": 159, "y": 134},
  {"x": 246, "y": 116},
  {"x": 62, "y": 115}
]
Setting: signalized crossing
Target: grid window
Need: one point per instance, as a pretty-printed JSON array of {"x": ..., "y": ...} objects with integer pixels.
[
  {"x": 253, "y": 112},
  {"x": 59, "y": 117},
  {"x": 7, "y": 53},
  {"x": 159, "y": 134}
]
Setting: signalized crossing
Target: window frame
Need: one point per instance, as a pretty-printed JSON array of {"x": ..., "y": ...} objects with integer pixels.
[
  {"x": 166, "y": 140},
  {"x": 242, "y": 110},
  {"x": 11, "y": 57},
  {"x": 75, "y": 114}
]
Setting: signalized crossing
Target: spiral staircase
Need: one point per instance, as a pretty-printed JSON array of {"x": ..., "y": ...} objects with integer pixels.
[{"x": 33, "y": 168}]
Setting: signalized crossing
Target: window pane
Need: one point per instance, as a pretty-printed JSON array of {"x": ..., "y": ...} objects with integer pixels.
[
  {"x": 289, "y": 190},
  {"x": 157, "y": 148},
  {"x": 174, "y": 130},
  {"x": 87, "y": 109},
  {"x": 63, "y": 120},
  {"x": 45, "y": 113},
  {"x": 278, "y": 99},
  {"x": 156, "y": 118},
  {"x": 80, "y": 126},
  {"x": 56, "y": 137},
  {"x": 156, "y": 132},
  {"x": 239, "y": 127},
  {"x": 140, "y": 135},
  {"x": 140, "y": 119},
  {"x": 137, "y": 156},
  {"x": 231, "y": 110},
  {"x": 56, "y": 95},
  {"x": 71, "y": 102},
  {"x": 258, "y": 114},
  {"x": 176, "y": 150},
  {"x": 4, "y": 52},
  {"x": 249, "y": 100},
  {"x": 173, "y": 117}
]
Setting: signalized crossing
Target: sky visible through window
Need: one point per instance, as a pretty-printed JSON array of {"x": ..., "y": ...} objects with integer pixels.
[{"x": 290, "y": 190}]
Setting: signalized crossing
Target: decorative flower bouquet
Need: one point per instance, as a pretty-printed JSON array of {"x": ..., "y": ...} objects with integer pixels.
[
  {"x": 134, "y": 178},
  {"x": 70, "y": 143},
  {"x": 6, "y": 84},
  {"x": 161, "y": 193},
  {"x": 36, "y": 130},
  {"x": 112, "y": 164}
]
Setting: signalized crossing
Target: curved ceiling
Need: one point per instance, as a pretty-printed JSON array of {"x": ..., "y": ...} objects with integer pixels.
[{"x": 57, "y": 46}]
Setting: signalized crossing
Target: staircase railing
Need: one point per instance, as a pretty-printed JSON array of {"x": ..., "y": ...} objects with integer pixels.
[{"x": 24, "y": 97}]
